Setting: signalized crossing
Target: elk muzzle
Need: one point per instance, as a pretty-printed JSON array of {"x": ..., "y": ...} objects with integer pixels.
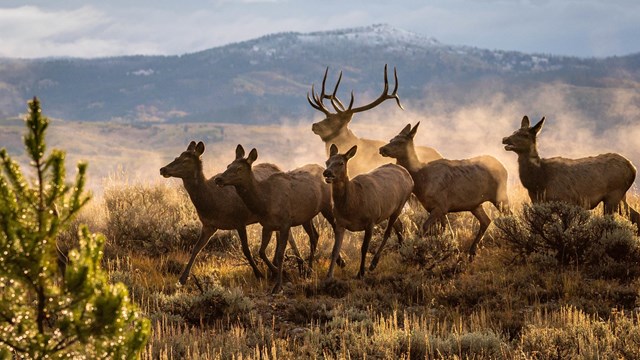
[
  {"x": 384, "y": 152},
  {"x": 164, "y": 172},
  {"x": 328, "y": 176},
  {"x": 508, "y": 144},
  {"x": 315, "y": 127},
  {"x": 219, "y": 181}
]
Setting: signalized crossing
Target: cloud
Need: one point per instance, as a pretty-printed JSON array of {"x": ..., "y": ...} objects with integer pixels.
[
  {"x": 119, "y": 27},
  {"x": 31, "y": 31}
]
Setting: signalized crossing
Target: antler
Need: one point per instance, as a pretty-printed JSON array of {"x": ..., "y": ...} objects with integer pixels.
[
  {"x": 384, "y": 96},
  {"x": 339, "y": 107},
  {"x": 317, "y": 102}
]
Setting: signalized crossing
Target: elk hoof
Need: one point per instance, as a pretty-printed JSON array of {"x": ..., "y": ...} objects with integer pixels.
[
  {"x": 182, "y": 280},
  {"x": 340, "y": 262},
  {"x": 373, "y": 265}
]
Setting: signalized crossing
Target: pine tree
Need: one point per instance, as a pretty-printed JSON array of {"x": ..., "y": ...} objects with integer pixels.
[{"x": 48, "y": 311}]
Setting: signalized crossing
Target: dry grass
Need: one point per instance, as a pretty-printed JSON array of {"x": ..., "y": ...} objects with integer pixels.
[{"x": 424, "y": 300}]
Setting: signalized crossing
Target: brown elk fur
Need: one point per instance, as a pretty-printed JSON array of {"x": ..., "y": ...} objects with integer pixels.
[
  {"x": 444, "y": 185},
  {"x": 280, "y": 201},
  {"x": 364, "y": 201},
  {"x": 584, "y": 182},
  {"x": 218, "y": 208},
  {"x": 334, "y": 128}
]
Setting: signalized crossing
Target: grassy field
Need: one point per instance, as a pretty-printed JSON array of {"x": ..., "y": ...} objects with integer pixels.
[
  {"x": 549, "y": 282},
  {"x": 424, "y": 300}
]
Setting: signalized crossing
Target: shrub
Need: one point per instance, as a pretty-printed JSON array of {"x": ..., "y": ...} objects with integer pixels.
[
  {"x": 439, "y": 254},
  {"x": 150, "y": 218},
  {"x": 212, "y": 304},
  {"x": 601, "y": 246}
]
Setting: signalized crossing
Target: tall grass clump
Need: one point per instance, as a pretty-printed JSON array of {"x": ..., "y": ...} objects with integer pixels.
[
  {"x": 569, "y": 333},
  {"x": 154, "y": 219},
  {"x": 568, "y": 235}
]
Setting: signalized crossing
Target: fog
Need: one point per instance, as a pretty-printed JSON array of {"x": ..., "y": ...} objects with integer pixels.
[{"x": 119, "y": 153}]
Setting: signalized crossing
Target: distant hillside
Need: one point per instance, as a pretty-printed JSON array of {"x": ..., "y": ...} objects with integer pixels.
[{"x": 266, "y": 80}]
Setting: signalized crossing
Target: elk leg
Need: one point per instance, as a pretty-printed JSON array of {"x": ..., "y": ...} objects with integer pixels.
[
  {"x": 392, "y": 221},
  {"x": 398, "y": 228},
  {"x": 484, "y": 220},
  {"x": 339, "y": 235},
  {"x": 332, "y": 221},
  {"x": 205, "y": 234},
  {"x": 612, "y": 202},
  {"x": 266, "y": 238},
  {"x": 434, "y": 215},
  {"x": 244, "y": 242},
  {"x": 313, "y": 241},
  {"x": 368, "y": 231},
  {"x": 294, "y": 248},
  {"x": 634, "y": 216},
  {"x": 281, "y": 246}
]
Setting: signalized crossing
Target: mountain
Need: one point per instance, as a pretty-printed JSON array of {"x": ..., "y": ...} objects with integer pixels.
[{"x": 266, "y": 79}]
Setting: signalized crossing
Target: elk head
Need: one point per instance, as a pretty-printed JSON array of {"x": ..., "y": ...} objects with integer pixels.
[
  {"x": 337, "y": 164},
  {"x": 239, "y": 170},
  {"x": 398, "y": 146},
  {"x": 335, "y": 123},
  {"x": 187, "y": 165},
  {"x": 523, "y": 140}
]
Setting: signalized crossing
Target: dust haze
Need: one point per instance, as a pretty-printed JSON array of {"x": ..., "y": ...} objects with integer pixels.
[{"x": 119, "y": 153}]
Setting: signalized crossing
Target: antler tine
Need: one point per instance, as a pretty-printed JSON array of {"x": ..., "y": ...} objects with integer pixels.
[
  {"x": 323, "y": 95},
  {"x": 386, "y": 80},
  {"x": 324, "y": 81},
  {"x": 334, "y": 96},
  {"x": 385, "y": 94},
  {"x": 318, "y": 102},
  {"x": 395, "y": 88}
]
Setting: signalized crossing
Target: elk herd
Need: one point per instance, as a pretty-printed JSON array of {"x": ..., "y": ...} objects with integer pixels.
[{"x": 360, "y": 188}]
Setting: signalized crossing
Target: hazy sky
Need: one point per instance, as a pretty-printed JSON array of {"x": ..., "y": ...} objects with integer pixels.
[{"x": 117, "y": 27}]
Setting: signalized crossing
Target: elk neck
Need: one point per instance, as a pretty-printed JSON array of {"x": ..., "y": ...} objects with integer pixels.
[
  {"x": 340, "y": 190},
  {"x": 250, "y": 195},
  {"x": 197, "y": 189},
  {"x": 531, "y": 173},
  {"x": 409, "y": 159},
  {"x": 343, "y": 138}
]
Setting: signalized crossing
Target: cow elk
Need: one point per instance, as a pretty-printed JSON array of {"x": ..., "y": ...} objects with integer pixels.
[
  {"x": 445, "y": 186},
  {"x": 584, "y": 182},
  {"x": 334, "y": 128},
  {"x": 217, "y": 208},
  {"x": 364, "y": 201},
  {"x": 281, "y": 201}
]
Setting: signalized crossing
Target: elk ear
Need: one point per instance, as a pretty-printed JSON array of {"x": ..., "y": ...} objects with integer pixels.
[
  {"x": 333, "y": 150},
  {"x": 200, "y": 148},
  {"x": 239, "y": 152},
  {"x": 413, "y": 131},
  {"x": 525, "y": 122},
  {"x": 406, "y": 129},
  {"x": 349, "y": 154},
  {"x": 537, "y": 127},
  {"x": 253, "y": 155},
  {"x": 192, "y": 146}
]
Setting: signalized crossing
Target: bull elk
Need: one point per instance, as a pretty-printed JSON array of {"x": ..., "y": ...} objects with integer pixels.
[
  {"x": 364, "y": 201},
  {"x": 217, "y": 208},
  {"x": 584, "y": 182},
  {"x": 444, "y": 186},
  {"x": 334, "y": 128},
  {"x": 280, "y": 201}
]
